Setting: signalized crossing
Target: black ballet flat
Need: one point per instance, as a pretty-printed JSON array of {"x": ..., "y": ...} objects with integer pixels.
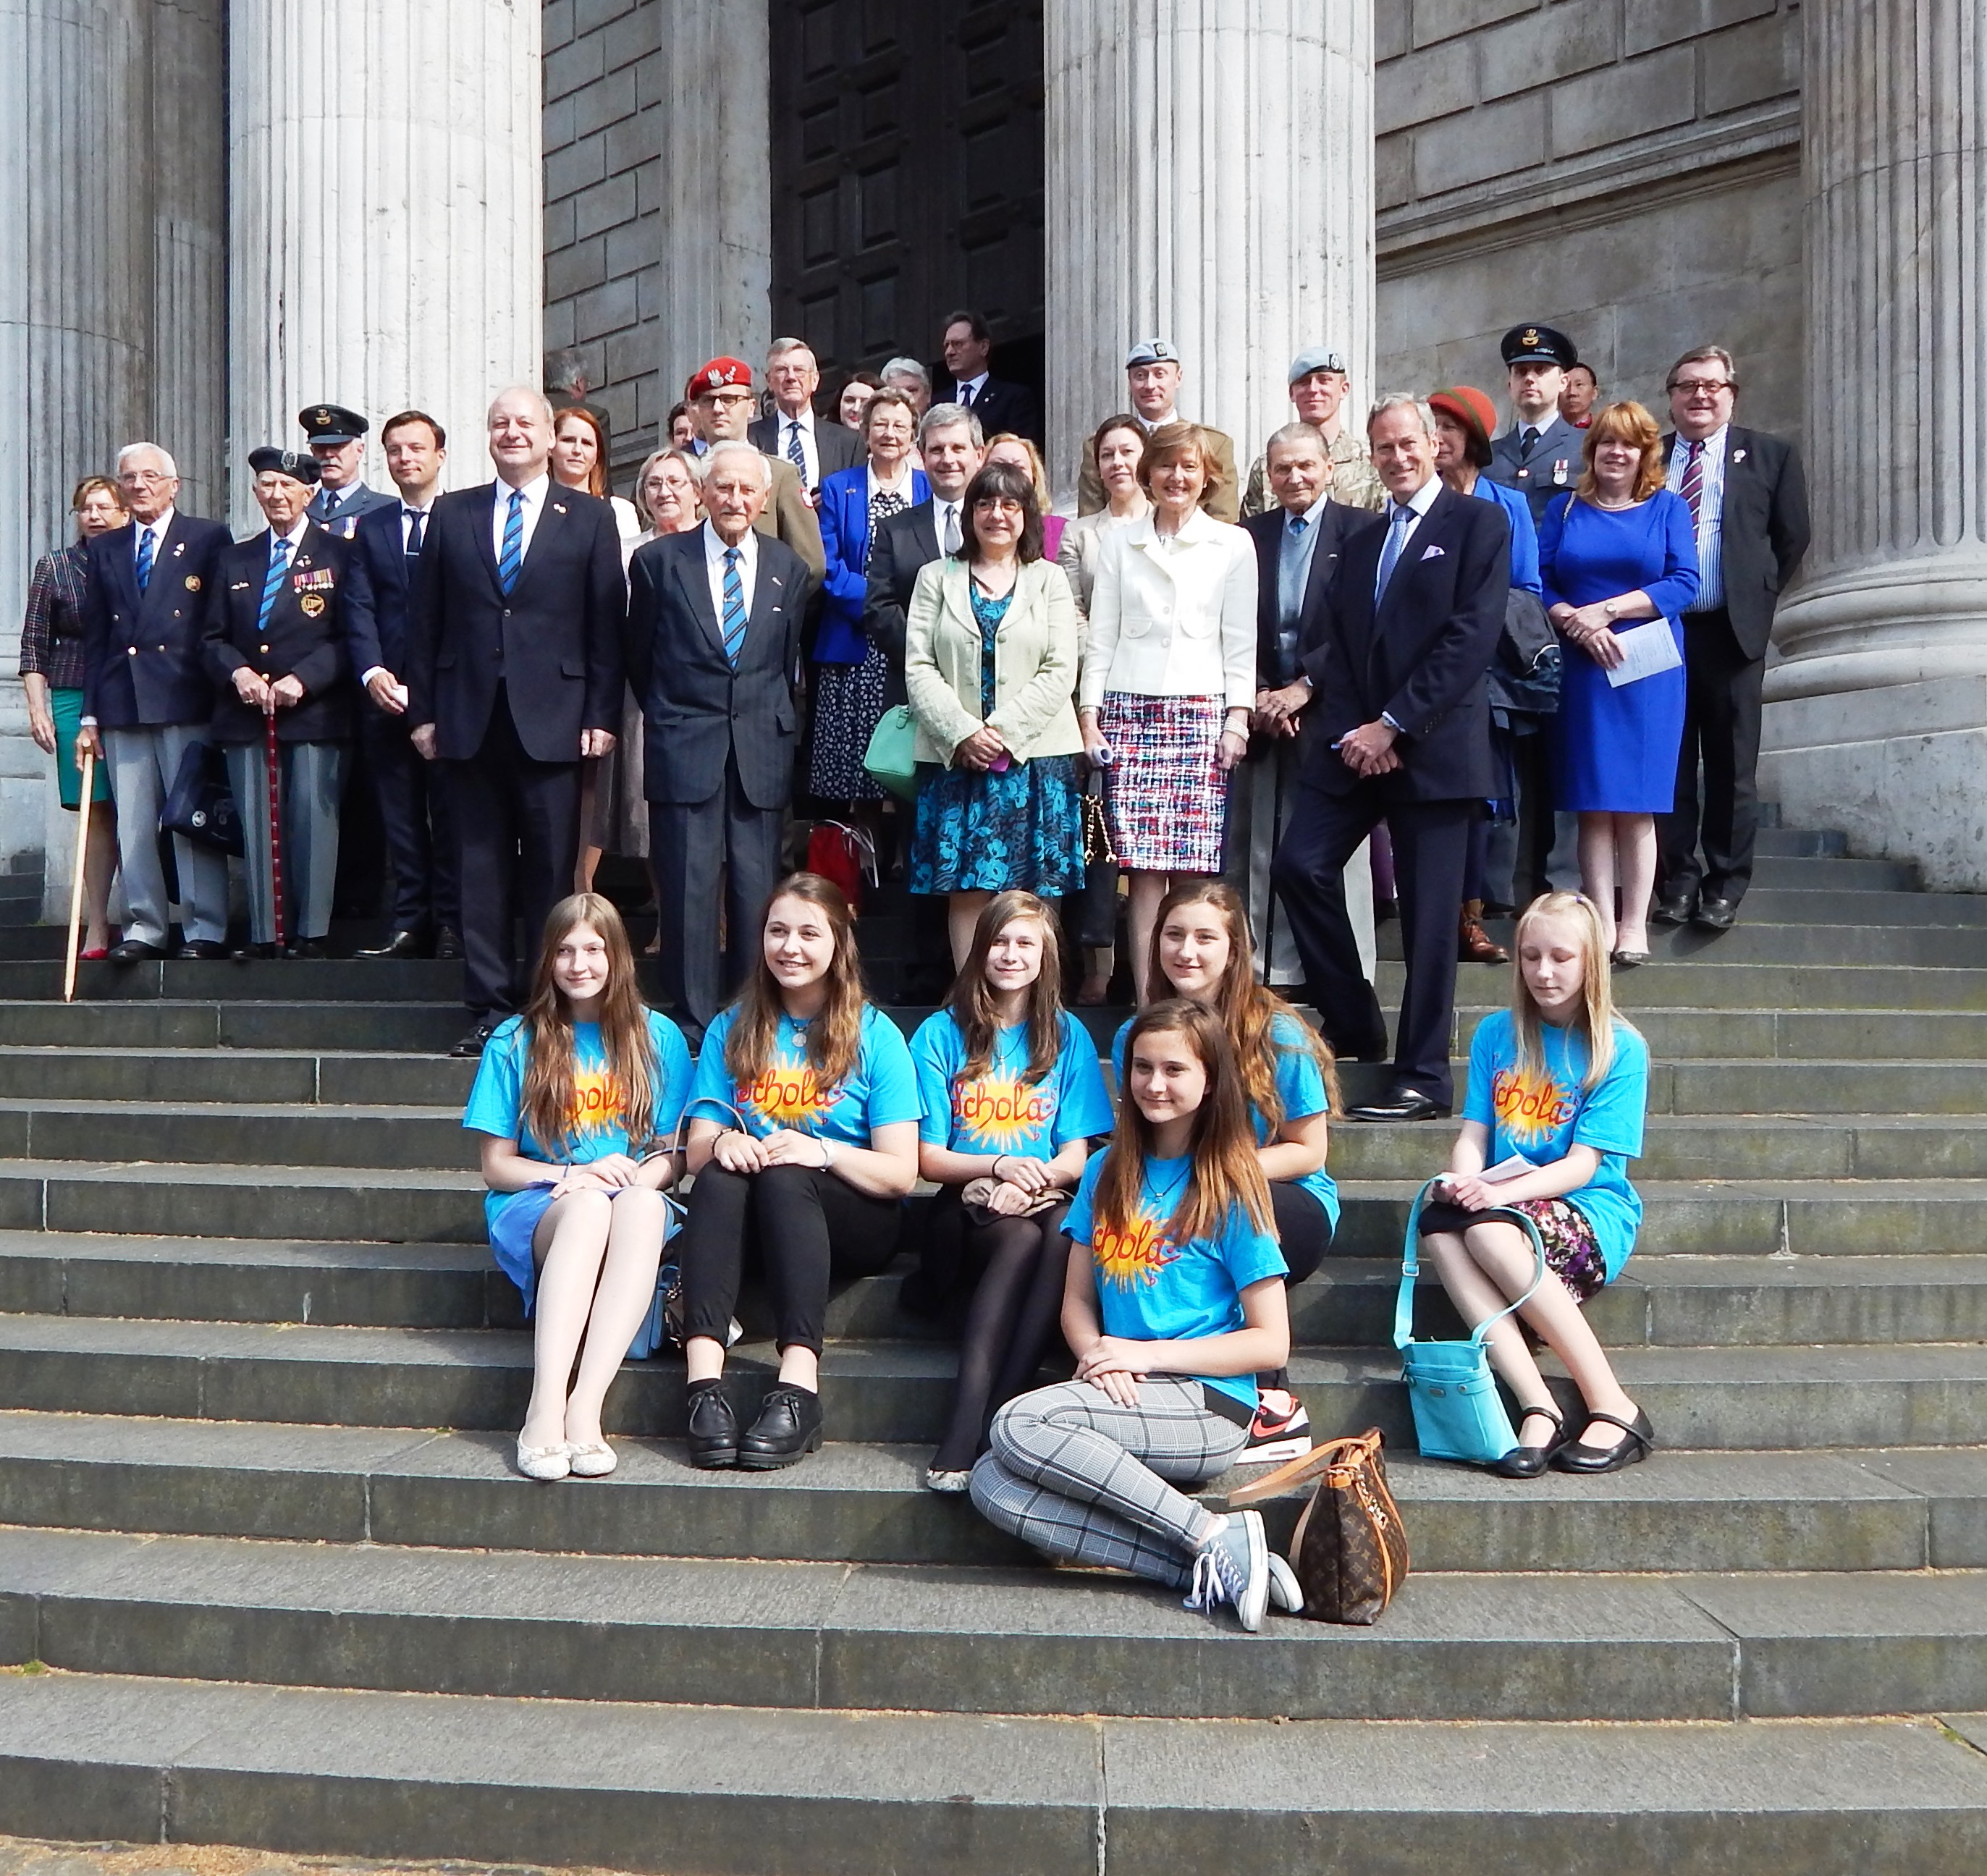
[
  {"x": 1640, "y": 1442},
  {"x": 1531, "y": 1462}
]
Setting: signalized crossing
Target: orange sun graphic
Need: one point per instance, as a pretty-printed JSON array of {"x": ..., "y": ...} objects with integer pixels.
[
  {"x": 1529, "y": 1107},
  {"x": 1008, "y": 1110},
  {"x": 787, "y": 1094},
  {"x": 1137, "y": 1254}
]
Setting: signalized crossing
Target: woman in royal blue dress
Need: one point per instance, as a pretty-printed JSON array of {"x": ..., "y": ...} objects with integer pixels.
[{"x": 1616, "y": 553}]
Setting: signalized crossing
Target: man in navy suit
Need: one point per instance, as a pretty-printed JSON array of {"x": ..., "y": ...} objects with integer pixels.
[
  {"x": 514, "y": 677},
  {"x": 1001, "y": 405},
  {"x": 1400, "y": 731},
  {"x": 714, "y": 638},
  {"x": 146, "y": 696},
  {"x": 413, "y": 805}
]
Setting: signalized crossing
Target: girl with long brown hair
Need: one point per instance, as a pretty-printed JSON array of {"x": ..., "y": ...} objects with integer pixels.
[
  {"x": 1202, "y": 949},
  {"x": 1174, "y": 1302},
  {"x": 577, "y": 1100},
  {"x": 1013, "y": 1097},
  {"x": 803, "y": 1137}
]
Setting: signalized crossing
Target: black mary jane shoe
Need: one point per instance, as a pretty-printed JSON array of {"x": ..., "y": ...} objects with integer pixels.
[
  {"x": 1530, "y": 1461},
  {"x": 1630, "y": 960},
  {"x": 787, "y": 1429},
  {"x": 1640, "y": 1443},
  {"x": 713, "y": 1430}
]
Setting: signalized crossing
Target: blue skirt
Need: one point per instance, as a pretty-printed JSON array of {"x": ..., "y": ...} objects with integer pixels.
[
  {"x": 511, "y": 1219},
  {"x": 980, "y": 832}
]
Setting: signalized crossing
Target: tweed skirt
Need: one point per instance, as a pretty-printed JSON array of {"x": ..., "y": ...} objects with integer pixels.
[{"x": 1166, "y": 799}]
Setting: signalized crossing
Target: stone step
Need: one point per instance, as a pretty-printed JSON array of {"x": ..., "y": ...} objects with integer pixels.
[
  {"x": 746, "y": 1791},
  {"x": 1829, "y": 904},
  {"x": 881, "y": 1638},
  {"x": 1832, "y": 937},
  {"x": 136, "y": 1024},
  {"x": 1847, "y": 1509},
  {"x": 128, "y": 1077},
  {"x": 1746, "y": 1399},
  {"x": 1797, "y": 871},
  {"x": 1780, "y": 842}
]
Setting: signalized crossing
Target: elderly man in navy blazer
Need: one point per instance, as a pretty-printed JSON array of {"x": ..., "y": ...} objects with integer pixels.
[
  {"x": 147, "y": 696},
  {"x": 714, "y": 640},
  {"x": 1400, "y": 730},
  {"x": 514, "y": 678}
]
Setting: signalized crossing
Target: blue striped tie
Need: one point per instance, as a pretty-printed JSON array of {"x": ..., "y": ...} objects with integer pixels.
[
  {"x": 279, "y": 561},
  {"x": 1397, "y": 539},
  {"x": 147, "y": 545},
  {"x": 513, "y": 555},
  {"x": 734, "y": 606}
]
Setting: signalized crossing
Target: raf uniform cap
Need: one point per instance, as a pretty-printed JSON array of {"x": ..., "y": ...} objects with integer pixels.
[
  {"x": 719, "y": 371},
  {"x": 1538, "y": 345},
  {"x": 298, "y": 465},
  {"x": 332, "y": 423},
  {"x": 1152, "y": 352},
  {"x": 1319, "y": 358}
]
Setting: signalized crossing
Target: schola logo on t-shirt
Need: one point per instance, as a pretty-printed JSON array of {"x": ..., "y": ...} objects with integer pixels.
[
  {"x": 788, "y": 1094},
  {"x": 1530, "y": 1106},
  {"x": 598, "y": 1101},
  {"x": 1136, "y": 1254},
  {"x": 1009, "y": 1110}
]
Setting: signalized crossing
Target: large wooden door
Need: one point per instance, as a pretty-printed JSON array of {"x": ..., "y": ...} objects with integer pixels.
[{"x": 907, "y": 177}]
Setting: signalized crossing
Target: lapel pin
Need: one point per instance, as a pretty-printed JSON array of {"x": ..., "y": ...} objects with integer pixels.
[
  {"x": 1737, "y": 456},
  {"x": 179, "y": 548},
  {"x": 558, "y": 508}
]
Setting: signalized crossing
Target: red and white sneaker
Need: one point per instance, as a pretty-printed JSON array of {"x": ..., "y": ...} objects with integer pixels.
[{"x": 1281, "y": 1430}]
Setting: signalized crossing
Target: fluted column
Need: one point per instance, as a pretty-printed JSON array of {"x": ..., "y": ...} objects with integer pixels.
[
  {"x": 1210, "y": 181},
  {"x": 386, "y": 238},
  {"x": 1877, "y": 710}
]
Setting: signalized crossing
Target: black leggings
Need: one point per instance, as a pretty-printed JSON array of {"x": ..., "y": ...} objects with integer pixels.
[
  {"x": 1015, "y": 1306},
  {"x": 801, "y": 1220},
  {"x": 1304, "y": 1228}
]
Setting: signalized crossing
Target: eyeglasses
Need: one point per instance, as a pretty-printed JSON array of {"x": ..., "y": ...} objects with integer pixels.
[
  {"x": 728, "y": 397},
  {"x": 996, "y": 504},
  {"x": 1710, "y": 387}
]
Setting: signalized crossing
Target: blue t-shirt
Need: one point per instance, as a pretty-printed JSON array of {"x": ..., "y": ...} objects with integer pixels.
[
  {"x": 1000, "y": 1111},
  {"x": 1300, "y": 1087},
  {"x": 1151, "y": 1289},
  {"x": 1543, "y": 1117},
  {"x": 881, "y": 1089},
  {"x": 596, "y": 1127}
]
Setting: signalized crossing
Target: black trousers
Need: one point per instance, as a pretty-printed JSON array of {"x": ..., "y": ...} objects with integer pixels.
[
  {"x": 802, "y": 1224},
  {"x": 1722, "y": 688},
  {"x": 413, "y": 801},
  {"x": 1431, "y": 842},
  {"x": 1303, "y": 1230},
  {"x": 517, "y": 824}
]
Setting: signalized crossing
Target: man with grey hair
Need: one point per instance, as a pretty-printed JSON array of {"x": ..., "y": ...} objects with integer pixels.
[
  {"x": 814, "y": 446},
  {"x": 147, "y": 696},
  {"x": 720, "y": 406},
  {"x": 908, "y": 376},
  {"x": 952, "y": 444}
]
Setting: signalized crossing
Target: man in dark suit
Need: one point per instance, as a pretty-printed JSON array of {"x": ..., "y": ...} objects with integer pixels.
[
  {"x": 337, "y": 439},
  {"x": 1297, "y": 545},
  {"x": 1000, "y": 405},
  {"x": 1539, "y": 455},
  {"x": 413, "y": 805},
  {"x": 1748, "y": 498},
  {"x": 1401, "y": 731},
  {"x": 146, "y": 698},
  {"x": 714, "y": 641},
  {"x": 514, "y": 677},
  {"x": 814, "y": 446},
  {"x": 279, "y": 613}
]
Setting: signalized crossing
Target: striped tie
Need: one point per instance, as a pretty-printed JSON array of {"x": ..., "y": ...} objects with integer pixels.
[
  {"x": 1692, "y": 488},
  {"x": 279, "y": 561},
  {"x": 796, "y": 453},
  {"x": 1390, "y": 555},
  {"x": 734, "y": 607},
  {"x": 513, "y": 555},
  {"x": 147, "y": 545}
]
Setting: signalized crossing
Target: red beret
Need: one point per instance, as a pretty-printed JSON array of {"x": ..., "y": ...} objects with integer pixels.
[{"x": 719, "y": 371}]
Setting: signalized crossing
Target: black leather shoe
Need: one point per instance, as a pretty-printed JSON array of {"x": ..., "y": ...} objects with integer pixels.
[
  {"x": 134, "y": 951},
  {"x": 471, "y": 1047},
  {"x": 255, "y": 954},
  {"x": 309, "y": 947},
  {"x": 788, "y": 1428},
  {"x": 448, "y": 944},
  {"x": 1640, "y": 1442},
  {"x": 402, "y": 944},
  {"x": 713, "y": 1428},
  {"x": 1674, "y": 909},
  {"x": 1404, "y": 1103},
  {"x": 1531, "y": 1462},
  {"x": 1716, "y": 915},
  {"x": 201, "y": 950},
  {"x": 1629, "y": 960}
]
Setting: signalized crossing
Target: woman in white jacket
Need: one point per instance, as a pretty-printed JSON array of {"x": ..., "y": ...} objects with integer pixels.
[{"x": 1169, "y": 677}]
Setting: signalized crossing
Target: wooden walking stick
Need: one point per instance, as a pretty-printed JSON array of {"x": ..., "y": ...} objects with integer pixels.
[
  {"x": 76, "y": 884},
  {"x": 269, "y": 749}
]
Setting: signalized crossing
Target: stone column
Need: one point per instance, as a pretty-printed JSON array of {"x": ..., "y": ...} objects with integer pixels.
[
  {"x": 1210, "y": 181},
  {"x": 385, "y": 228},
  {"x": 1877, "y": 711}
]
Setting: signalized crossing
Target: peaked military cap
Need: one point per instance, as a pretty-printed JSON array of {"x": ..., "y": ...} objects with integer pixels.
[
  {"x": 332, "y": 423},
  {"x": 1538, "y": 345}
]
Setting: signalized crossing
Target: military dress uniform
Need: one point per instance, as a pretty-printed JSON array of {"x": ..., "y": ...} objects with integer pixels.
[
  {"x": 1542, "y": 461},
  {"x": 337, "y": 511}
]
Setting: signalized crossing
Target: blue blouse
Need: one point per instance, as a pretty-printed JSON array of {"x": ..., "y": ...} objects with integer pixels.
[{"x": 1524, "y": 536}]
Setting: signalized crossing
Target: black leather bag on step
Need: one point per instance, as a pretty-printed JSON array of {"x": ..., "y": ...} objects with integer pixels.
[{"x": 200, "y": 809}]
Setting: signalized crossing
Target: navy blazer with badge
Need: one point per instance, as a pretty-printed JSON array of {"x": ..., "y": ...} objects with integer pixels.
[
  {"x": 304, "y": 637},
  {"x": 1553, "y": 466},
  {"x": 377, "y": 635},
  {"x": 1763, "y": 530},
  {"x": 1421, "y": 657},
  {"x": 555, "y": 641},
  {"x": 697, "y": 711},
  {"x": 1003, "y": 406},
  {"x": 142, "y": 662}
]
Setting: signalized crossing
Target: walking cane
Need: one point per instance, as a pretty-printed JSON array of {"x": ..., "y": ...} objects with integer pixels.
[
  {"x": 75, "y": 884},
  {"x": 276, "y": 823}
]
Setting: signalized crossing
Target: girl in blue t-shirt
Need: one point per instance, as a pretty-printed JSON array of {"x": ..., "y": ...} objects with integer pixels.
[
  {"x": 1558, "y": 1089},
  {"x": 1202, "y": 948},
  {"x": 1175, "y": 1301},
  {"x": 1013, "y": 1097},
  {"x": 803, "y": 1139},
  {"x": 577, "y": 1100}
]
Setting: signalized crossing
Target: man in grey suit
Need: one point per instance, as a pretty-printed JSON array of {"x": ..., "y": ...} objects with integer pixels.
[
  {"x": 814, "y": 446},
  {"x": 714, "y": 642}
]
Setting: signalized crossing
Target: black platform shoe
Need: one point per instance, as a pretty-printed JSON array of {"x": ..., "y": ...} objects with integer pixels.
[
  {"x": 788, "y": 1428},
  {"x": 713, "y": 1427}
]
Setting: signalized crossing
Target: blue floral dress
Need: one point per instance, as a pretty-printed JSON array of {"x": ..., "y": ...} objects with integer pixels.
[{"x": 981, "y": 832}]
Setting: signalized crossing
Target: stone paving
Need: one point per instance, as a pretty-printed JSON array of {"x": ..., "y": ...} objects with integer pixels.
[{"x": 23, "y": 1856}]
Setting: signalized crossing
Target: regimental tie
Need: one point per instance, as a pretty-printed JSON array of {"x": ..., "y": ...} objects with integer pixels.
[
  {"x": 796, "y": 453},
  {"x": 279, "y": 564},
  {"x": 1397, "y": 539},
  {"x": 147, "y": 546},
  {"x": 513, "y": 555},
  {"x": 1692, "y": 488},
  {"x": 734, "y": 606}
]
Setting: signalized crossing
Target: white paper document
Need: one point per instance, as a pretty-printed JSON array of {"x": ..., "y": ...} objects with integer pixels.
[
  {"x": 1512, "y": 1168},
  {"x": 1646, "y": 650}
]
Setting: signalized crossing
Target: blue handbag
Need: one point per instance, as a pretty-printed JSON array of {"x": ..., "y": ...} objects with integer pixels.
[{"x": 1459, "y": 1413}]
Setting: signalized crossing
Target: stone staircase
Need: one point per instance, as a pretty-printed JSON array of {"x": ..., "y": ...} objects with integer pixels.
[{"x": 260, "y": 1542}]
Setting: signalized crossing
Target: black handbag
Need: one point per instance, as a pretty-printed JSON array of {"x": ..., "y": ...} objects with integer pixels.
[{"x": 200, "y": 809}]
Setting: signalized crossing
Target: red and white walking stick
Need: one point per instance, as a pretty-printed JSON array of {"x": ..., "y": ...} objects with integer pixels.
[
  {"x": 275, "y": 823},
  {"x": 75, "y": 883}
]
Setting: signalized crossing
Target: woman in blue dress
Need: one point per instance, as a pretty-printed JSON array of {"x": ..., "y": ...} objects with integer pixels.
[{"x": 1615, "y": 553}]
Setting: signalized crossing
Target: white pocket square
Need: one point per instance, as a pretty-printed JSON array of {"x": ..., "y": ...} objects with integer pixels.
[{"x": 1432, "y": 553}]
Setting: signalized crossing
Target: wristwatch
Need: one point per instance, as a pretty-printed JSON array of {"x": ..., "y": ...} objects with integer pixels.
[
  {"x": 1612, "y": 608},
  {"x": 827, "y": 1156}
]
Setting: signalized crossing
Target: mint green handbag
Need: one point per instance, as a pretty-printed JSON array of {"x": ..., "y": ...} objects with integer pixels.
[{"x": 889, "y": 761}]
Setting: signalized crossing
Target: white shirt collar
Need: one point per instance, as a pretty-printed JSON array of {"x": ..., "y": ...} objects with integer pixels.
[
  {"x": 1172, "y": 417},
  {"x": 408, "y": 508},
  {"x": 804, "y": 417},
  {"x": 1714, "y": 444},
  {"x": 1311, "y": 514},
  {"x": 1421, "y": 499},
  {"x": 157, "y": 529},
  {"x": 296, "y": 534},
  {"x": 975, "y": 385},
  {"x": 534, "y": 492},
  {"x": 714, "y": 548}
]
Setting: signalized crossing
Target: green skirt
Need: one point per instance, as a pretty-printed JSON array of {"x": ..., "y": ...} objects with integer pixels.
[{"x": 66, "y": 707}]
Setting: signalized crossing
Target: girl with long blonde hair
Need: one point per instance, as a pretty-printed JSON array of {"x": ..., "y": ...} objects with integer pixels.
[
  {"x": 579, "y": 1100},
  {"x": 1558, "y": 1091}
]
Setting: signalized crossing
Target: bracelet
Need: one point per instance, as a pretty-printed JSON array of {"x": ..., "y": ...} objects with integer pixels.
[{"x": 827, "y": 1155}]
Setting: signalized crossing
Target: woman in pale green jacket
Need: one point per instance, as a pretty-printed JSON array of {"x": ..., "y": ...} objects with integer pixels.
[{"x": 989, "y": 662}]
